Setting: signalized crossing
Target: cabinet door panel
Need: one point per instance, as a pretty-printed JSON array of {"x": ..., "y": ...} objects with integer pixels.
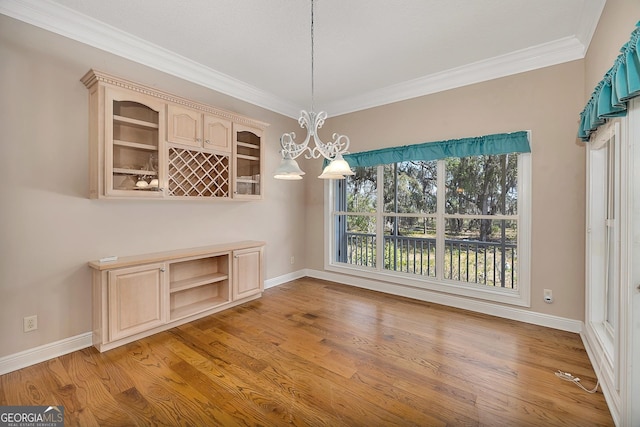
[
  {"x": 184, "y": 126},
  {"x": 247, "y": 273},
  {"x": 136, "y": 300},
  {"x": 217, "y": 133}
]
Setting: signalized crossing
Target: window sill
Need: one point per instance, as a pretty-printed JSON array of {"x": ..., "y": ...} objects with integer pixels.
[{"x": 504, "y": 296}]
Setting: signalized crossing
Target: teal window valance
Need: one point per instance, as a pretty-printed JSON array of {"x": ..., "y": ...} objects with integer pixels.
[
  {"x": 619, "y": 85},
  {"x": 503, "y": 143}
]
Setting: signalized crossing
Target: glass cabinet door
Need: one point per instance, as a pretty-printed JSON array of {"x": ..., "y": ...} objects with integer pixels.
[
  {"x": 133, "y": 131},
  {"x": 247, "y": 152}
]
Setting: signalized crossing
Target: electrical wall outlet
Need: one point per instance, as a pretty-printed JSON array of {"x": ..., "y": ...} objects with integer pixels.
[
  {"x": 30, "y": 323},
  {"x": 293, "y": 260},
  {"x": 548, "y": 296}
]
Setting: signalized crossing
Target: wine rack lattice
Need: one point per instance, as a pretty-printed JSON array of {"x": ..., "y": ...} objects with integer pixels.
[{"x": 197, "y": 174}]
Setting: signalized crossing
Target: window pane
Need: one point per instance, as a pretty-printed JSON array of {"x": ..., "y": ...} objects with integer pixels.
[
  {"x": 481, "y": 251},
  {"x": 415, "y": 183},
  {"x": 410, "y": 245},
  {"x": 356, "y": 240},
  {"x": 362, "y": 190},
  {"x": 482, "y": 185}
]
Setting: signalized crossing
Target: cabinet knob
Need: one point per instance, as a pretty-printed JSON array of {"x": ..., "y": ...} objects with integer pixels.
[
  {"x": 207, "y": 141},
  {"x": 163, "y": 269},
  {"x": 198, "y": 139}
]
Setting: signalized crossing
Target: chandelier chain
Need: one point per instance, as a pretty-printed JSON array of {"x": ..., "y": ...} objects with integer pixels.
[{"x": 312, "y": 64}]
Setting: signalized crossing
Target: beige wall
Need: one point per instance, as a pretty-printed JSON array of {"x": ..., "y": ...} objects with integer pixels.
[
  {"x": 49, "y": 229},
  {"x": 545, "y": 101}
]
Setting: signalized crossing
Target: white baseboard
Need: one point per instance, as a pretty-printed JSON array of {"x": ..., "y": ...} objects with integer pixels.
[
  {"x": 49, "y": 351},
  {"x": 29, "y": 357},
  {"x": 20, "y": 360},
  {"x": 270, "y": 283},
  {"x": 484, "y": 307}
]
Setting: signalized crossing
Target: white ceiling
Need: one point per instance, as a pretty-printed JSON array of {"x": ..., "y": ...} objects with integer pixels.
[{"x": 367, "y": 52}]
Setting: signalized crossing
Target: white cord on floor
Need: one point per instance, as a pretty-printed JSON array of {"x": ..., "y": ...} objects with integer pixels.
[{"x": 566, "y": 376}]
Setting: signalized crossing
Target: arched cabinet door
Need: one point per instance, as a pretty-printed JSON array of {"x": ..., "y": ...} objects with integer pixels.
[
  {"x": 186, "y": 126},
  {"x": 248, "y": 165},
  {"x": 133, "y": 134}
]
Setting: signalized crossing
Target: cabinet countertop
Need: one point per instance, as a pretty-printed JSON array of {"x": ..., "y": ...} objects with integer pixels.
[{"x": 127, "y": 261}]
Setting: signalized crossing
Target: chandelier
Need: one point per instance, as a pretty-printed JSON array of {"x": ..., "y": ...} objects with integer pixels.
[{"x": 338, "y": 168}]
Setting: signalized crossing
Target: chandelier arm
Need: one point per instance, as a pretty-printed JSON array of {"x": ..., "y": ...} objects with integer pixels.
[
  {"x": 287, "y": 141},
  {"x": 338, "y": 145}
]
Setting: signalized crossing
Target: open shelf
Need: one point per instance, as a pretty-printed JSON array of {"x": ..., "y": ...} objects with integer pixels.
[
  {"x": 135, "y": 145},
  {"x": 196, "y": 285},
  {"x": 183, "y": 285},
  {"x": 125, "y": 171},
  {"x": 248, "y": 145},
  {"x": 196, "y": 307},
  {"x": 135, "y": 122}
]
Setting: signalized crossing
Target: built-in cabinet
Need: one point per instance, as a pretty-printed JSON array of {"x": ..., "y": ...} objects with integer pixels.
[
  {"x": 137, "y": 296},
  {"x": 145, "y": 143}
]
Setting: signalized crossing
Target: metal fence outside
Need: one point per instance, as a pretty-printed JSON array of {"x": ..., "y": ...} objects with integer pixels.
[{"x": 471, "y": 261}]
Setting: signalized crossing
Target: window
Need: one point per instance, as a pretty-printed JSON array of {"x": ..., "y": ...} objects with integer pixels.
[
  {"x": 603, "y": 236},
  {"x": 458, "y": 225}
]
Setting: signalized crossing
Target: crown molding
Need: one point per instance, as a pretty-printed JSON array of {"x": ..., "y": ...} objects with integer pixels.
[
  {"x": 544, "y": 55},
  {"x": 66, "y": 22},
  {"x": 69, "y": 23},
  {"x": 588, "y": 21}
]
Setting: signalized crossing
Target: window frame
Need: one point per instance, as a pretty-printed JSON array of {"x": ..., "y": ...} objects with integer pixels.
[{"x": 518, "y": 297}]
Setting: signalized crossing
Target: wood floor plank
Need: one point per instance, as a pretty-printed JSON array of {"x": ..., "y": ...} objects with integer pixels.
[{"x": 316, "y": 353}]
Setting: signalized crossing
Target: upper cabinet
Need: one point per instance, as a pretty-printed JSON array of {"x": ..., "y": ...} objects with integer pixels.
[
  {"x": 197, "y": 129},
  {"x": 144, "y": 143}
]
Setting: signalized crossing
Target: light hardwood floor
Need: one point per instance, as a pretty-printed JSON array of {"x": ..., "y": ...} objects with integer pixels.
[{"x": 316, "y": 353}]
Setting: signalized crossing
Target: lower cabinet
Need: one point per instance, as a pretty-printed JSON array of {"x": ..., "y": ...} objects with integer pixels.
[
  {"x": 137, "y": 296},
  {"x": 248, "y": 278},
  {"x": 135, "y": 301}
]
